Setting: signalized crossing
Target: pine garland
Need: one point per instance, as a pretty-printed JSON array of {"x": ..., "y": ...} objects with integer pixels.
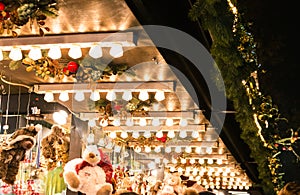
[{"x": 233, "y": 49}]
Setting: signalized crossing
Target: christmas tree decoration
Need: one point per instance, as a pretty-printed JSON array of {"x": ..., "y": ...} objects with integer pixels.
[{"x": 16, "y": 14}]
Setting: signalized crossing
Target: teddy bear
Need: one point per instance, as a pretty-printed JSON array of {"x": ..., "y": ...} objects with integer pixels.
[
  {"x": 90, "y": 174},
  {"x": 55, "y": 147},
  {"x": 13, "y": 151},
  {"x": 171, "y": 185}
]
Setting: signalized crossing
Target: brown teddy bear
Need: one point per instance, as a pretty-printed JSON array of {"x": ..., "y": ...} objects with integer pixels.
[
  {"x": 86, "y": 174},
  {"x": 13, "y": 151},
  {"x": 55, "y": 147}
]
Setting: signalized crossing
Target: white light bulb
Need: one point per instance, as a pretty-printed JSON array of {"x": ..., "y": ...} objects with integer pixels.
[
  {"x": 183, "y": 122},
  {"x": 95, "y": 51},
  {"x": 15, "y": 54},
  {"x": 124, "y": 134},
  {"x": 155, "y": 122},
  {"x": 127, "y": 95},
  {"x": 116, "y": 51},
  {"x": 148, "y": 149},
  {"x": 169, "y": 122},
  {"x": 75, "y": 52},
  {"x": 79, "y": 96},
  {"x": 201, "y": 161},
  {"x": 147, "y": 134},
  {"x": 138, "y": 149},
  {"x": 188, "y": 149},
  {"x": 183, "y": 161},
  {"x": 177, "y": 149},
  {"x": 171, "y": 134},
  {"x": 64, "y": 96},
  {"x": 143, "y": 95},
  {"x": 157, "y": 149},
  {"x": 112, "y": 135},
  {"x": 182, "y": 134},
  {"x": 159, "y": 134},
  {"x": 135, "y": 134},
  {"x": 195, "y": 134},
  {"x": 35, "y": 53},
  {"x": 168, "y": 149},
  {"x": 159, "y": 95},
  {"x": 198, "y": 150},
  {"x": 208, "y": 150},
  {"x": 192, "y": 161},
  {"x": 54, "y": 52},
  {"x": 129, "y": 122},
  {"x": 143, "y": 122},
  {"x": 95, "y": 96},
  {"x": 111, "y": 96},
  {"x": 49, "y": 97}
]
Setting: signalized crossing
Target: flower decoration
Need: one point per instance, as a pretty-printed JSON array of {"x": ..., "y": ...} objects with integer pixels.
[
  {"x": 45, "y": 68},
  {"x": 16, "y": 13}
]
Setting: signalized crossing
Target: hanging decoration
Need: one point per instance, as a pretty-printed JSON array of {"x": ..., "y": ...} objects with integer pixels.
[
  {"x": 45, "y": 68},
  {"x": 122, "y": 108},
  {"x": 14, "y": 14}
]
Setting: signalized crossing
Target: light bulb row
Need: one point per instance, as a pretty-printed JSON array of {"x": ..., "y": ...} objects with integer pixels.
[
  {"x": 54, "y": 52},
  {"x": 110, "y": 95},
  {"x": 179, "y": 149},
  {"x": 159, "y": 134}
]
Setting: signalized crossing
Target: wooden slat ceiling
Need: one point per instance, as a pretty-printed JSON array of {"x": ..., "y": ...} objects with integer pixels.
[{"x": 77, "y": 16}]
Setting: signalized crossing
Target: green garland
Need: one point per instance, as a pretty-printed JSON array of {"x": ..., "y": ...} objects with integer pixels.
[
  {"x": 234, "y": 50},
  {"x": 16, "y": 13}
]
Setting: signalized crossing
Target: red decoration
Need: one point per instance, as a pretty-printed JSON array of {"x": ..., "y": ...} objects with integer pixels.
[
  {"x": 163, "y": 138},
  {"x": 72, "y": 67},
  {"x": 2, "y": 6}
]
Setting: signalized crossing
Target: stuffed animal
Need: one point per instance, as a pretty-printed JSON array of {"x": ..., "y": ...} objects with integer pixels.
[
  {"x": 55, "y": 147},
  {"x": 90, "y": 174},
  {"x": 171, "y": 185},
  {"x": 13, "y": 151}
]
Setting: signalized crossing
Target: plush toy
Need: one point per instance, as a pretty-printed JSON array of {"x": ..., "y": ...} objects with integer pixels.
[
  {"x": 154, "y": 189},
  {"x": 171, "y": 185},
  {"x": 90, "y": 174},
  {"x": 13, "y": 151},
  {"x": 55, "y": 147}
]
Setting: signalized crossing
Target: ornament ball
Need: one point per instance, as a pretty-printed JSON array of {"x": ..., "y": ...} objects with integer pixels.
[
  {"x": 2, "y": 6},
  {"x": 72, "y": 67}
]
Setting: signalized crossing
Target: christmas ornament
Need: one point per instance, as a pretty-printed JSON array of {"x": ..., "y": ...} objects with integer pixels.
[
  {"x": 2, "y": 6},
  {"x": 72, "y": 67}
]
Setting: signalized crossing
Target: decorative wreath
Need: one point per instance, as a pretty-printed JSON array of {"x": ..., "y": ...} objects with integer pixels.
[{"x": 16, "y": 13}]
